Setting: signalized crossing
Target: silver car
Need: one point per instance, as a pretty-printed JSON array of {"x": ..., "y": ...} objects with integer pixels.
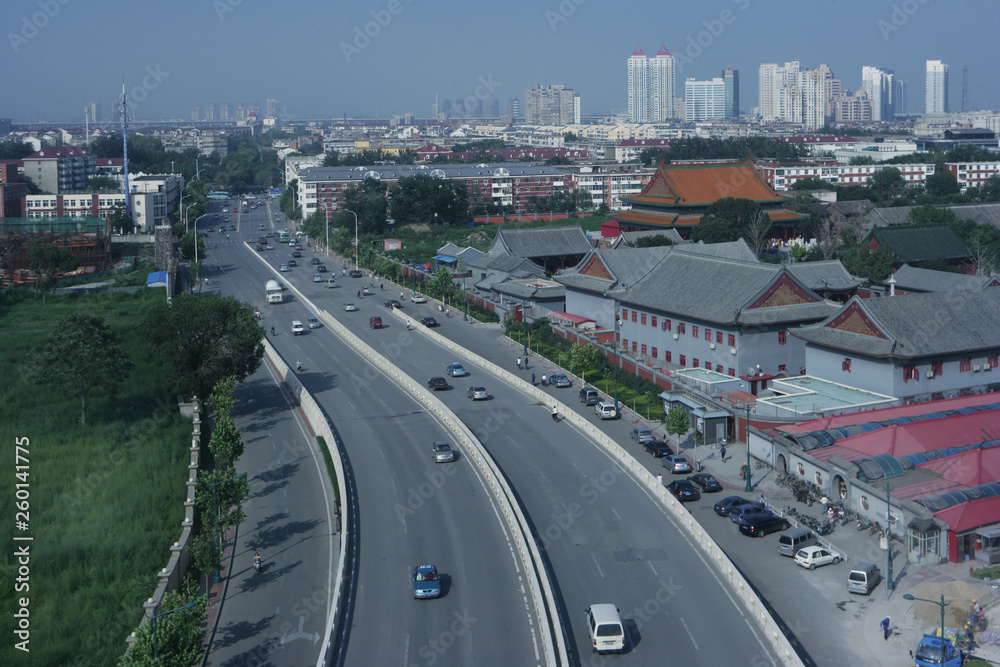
[
  {"x": 478, "y": 393},
  {"x": 676, "y": 464},
  {"x": 442, "y": 452}
]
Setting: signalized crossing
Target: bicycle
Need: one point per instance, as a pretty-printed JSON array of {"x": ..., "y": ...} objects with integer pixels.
[{"x": 759, "y": 465}]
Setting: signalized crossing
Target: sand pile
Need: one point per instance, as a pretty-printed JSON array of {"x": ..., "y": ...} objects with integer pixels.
[{"x": 960, "y": 593}]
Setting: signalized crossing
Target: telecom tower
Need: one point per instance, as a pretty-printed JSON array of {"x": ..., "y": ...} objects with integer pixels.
[
  {"x": 124, "y": 110},
  {"x": 965, "y": 87}
]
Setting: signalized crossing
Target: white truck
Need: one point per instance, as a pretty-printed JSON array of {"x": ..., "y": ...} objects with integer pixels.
[{"x": 273, "y": 290}]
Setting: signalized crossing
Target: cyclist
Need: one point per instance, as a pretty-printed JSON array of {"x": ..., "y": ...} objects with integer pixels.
[{"x": 257, "y": 562}]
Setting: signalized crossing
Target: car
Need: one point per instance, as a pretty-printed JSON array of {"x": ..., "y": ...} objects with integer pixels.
[
  {"x": 283, "y": 268},
  {"x": 428, "y": 321},
  {"x": 560, "y": 380},
  {"x": 314, "y": 261},
  {"x": 418, "y": 298},
  {"x": 259, "y": 248},
  {"x": 760, "y": 525},
  {"x": 354, "y": 273},
  {"x": 297, "y": 327},
  {"x": 589, "y": 396},
  {"x": 331, "y": 283},
  {"x": 442, "y": 452},
  {"x": 269, "y": 235},
  {"x": 375, "y": 322},
  {"x": 314, "y": 323},
  {"x": 350, "y": 307},
  {"x": 437, "y": 383},
  {"x": 296, "y": 253},
  {"x": 706, "y": 482},
  {"x": 658, "y": 448},
  {"x": 606, "y": 410},
  {"x": 426, "y": 583},
  {"x": 477, "y": 393},
  {"x": 250, "y": 240},
  {"x": 676, "y": 463},
  {"x": 298, "y": 246},
  {"x": 261, "y": 240},
  {"x": 724, "y": 506},
  {"x": 815, "y": 556},
  {"x": 393, "y": 303},
  {"x": 641, "y": 434},
  {"x": 683, "y": 490},
  {"x": 321, "y": 268},
  {"x": 292, "y": 262},
  {"x": 222, "y": 230},
  {"x": 234, "y": 210},
  {"x": 232, "y": 228},
  {"x": 741, "y": 513},
  {"x": 456, "y": 370},
  {"x": 270, "y": 246},
  {"x": 317, "y": 278}
]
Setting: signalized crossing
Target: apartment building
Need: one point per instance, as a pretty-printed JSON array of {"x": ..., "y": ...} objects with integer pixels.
[{"x": 59, "y": 170}]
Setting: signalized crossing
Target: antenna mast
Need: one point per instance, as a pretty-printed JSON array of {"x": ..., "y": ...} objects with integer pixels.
[
  {"x": 965, "y": 88},
  {"x": 124, "y": 110}
]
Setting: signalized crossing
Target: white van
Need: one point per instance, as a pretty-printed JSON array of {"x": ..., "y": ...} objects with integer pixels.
[
  {"x": 605, "y": 628},
  {"x": 297, "y": 328}
]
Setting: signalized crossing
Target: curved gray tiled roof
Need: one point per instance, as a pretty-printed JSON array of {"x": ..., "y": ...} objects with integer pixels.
[
  {"x": 919, "y": 325},
  {"x": 917, "y": 243},
  {"x": 827, "y": 275},
  {"x": 911, "y": 278},
  {"x": 544, "y": 242}
]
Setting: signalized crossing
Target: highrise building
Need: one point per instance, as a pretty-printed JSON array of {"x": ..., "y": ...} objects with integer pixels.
[
  {"x": 548, "y": 105},
  {"x": 211, "y": 112},
  {"x": 704, "y": 100},
  {"x": 515, "y": 108},
  {"x": 936, "y": 91},
  {"x": 272, "y": 107},
  {"x": 793, "y": 95},
  {"x": 196, "y": 114},
  {"x": 899, "y": 97},
  {"x": 576, "y": 109},
  {"x": 879, "y": 85},
  {"x": 731, "y": 81},
  {"x": 96, "y": 112},
  {"x": 225, "y": 111},
  {"x": 856, "y": 108},
  {"x": 651, "y": 87}
]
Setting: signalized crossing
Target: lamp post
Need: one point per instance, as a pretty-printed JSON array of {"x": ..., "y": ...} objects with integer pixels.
[
  {"x": 189, "y": 605},
  {"x": 355, "y": 235},
  {"x": 327, "y": 212},
  {"x": 942, "y": 604},
  {"x": 465, "y": 302},
  {"x": 180, "y": 207},
  {"x": 889, "y": 585},
  {"x": 614, "y": 352},
  {"x": 746, "y": 407},
  {"x": 215, "y": 503},
  {"x": 524, "y": 328}
]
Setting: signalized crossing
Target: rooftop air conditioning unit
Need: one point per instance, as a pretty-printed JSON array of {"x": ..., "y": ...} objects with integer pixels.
[
  {"x": 975, "y": 369},
  {"x": 732, "y": 351},
  {"x": 930, "y": 374},
  {"x": 676, "y": 336},
  {"x": 711, "y": 346}
]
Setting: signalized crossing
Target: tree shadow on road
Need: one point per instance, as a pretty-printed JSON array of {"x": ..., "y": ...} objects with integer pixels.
[
  {"x": 270, "y": 538},
  {"x": 234, "y": 632}
]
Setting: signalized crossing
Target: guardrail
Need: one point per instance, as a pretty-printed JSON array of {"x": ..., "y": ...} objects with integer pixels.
[{"x": 755, "y": 609}]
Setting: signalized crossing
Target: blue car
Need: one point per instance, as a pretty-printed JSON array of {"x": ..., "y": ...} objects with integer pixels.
[
  {"x": 723, "y": 507},
  {"x": 426, "y": 582},
  {"x": 741, "y": 513}
]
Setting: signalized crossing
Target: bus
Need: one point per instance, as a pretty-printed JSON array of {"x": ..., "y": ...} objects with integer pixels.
[
  {"x": 273, "y": 289},
  {"x": 285, "y": 237}
]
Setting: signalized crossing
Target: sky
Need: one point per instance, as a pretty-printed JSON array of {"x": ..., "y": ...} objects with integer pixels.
[{"x": 367, "y": 58}]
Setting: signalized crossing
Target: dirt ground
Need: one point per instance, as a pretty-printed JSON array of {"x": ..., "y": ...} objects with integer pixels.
[{"x": 960, "y": 593}]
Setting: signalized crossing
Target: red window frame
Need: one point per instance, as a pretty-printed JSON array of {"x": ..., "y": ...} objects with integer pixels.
[
  {"x": 666, "y": 325},
  {"x": 718, "y": 337},
  {"x": 937, "y": 368},
  {"x": 694, "y": 331},
  {"x": 667, "y": 356},
  {"x": 695, "y": 363},
  {"x": 683, "y": 360},
  {"x": 644, "y": 349},
  {"x": 680, "y": 328},
  {"x": 845, "y": 365},
  {"x": 654, "y": 353},
  {"x": 782, "y": 337},
  {"x": 635, "y": 316},
  {"x": 624, "y": 313},
  {"x": 993, "y": 362},
  {"x": 643, "y": 318},
  {"x": 965, "y": 365},
  {"x": 732, "y": 372},
  {"x": 635, "y": 347},
  {"x": 652, "y": 322},
  {"x": 708, "y": 335},
  {"x": 910, "y": 373},
  {"x": 732, "y": 340}
]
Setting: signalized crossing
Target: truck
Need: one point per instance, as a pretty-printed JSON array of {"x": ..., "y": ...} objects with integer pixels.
[
  {"x": 929, "y": 649},
  {"x": 273, "y": 291}
]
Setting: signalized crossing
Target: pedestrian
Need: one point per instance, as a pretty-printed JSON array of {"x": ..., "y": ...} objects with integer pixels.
[
  {"x": 519, "y": 363},
  {"x": 763, "y": 501},
  {"x": 532, "y": 379},
  {"x": 743, "y": 470},
  {"x": 359, "y": 294},
  {"x": 824, "y": 503},
  {"x": 886, "y": 631},
  {"x": 659, "y": 479},
  {"x": 545, "y": 380},
  {"x": 381, "y": 286},
  {"x": 722, "y": 453}
]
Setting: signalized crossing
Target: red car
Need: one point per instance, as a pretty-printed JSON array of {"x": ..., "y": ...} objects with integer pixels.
[{"x": 375, "y": 322}]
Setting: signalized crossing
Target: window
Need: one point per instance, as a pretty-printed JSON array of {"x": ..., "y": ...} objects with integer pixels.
[
  {"x": 666, "y": 325},
  {"x": 680, "y": 328},
  {"x": 644, "y": 350},
  {"x": 910, "y": 373},
  {"x": 643, "y": 319},
  {"x": 718, "y": 368},
  {"x": 654, "y": 353},
  {"x": 993, "y": 362},
  {"x": 732, "y": 340},
  {"x": 625, "y": 343},
  {"x": 694, "y": 331},
  {"x": 936, "y": 368},
  {"x": 732, "y": 372},
  {"x": 668, "y": 356},
  {"x": 781, "y": 368},
  {"x": 695, "y": 364},
  {"x": 635, "y": 347},
  {"x": 708, "y": 335},
  {"x": 708, "y": 364},
  {"x": 683, "y": 360},
  {"x": 781, "y": 337},
  {"x": 965, "y": 365},
  {"x": 845, "y": 365},
  {"x": 653, "y": 321},
  {"x": 635, "y": 316},
  {"x": 624, "y": 313},
  {"x": 718, "y": 337}
]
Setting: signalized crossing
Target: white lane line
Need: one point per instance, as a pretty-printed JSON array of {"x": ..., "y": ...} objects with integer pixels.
[
  {"x": 616, "y": 514},
  {"x": 599, "y": 570},
  {"x": 687, "y": 630},
  {"x": 650, "y": 564},
  {"x": 406, "y": 651}
]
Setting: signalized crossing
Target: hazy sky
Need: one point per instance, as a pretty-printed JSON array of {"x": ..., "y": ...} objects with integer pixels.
[{"x": 315, "y": 57}]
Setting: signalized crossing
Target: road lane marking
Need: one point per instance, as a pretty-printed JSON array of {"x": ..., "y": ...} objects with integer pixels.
[
  {"x": 687, "y": 630},
  {"x": 616, "y": 514},
  {"x": 599, "y": 570},
  {"x": 650, "y": 564}
]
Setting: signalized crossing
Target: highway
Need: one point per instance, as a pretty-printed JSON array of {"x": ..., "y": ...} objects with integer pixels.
[{"x": 412, "y": 510}]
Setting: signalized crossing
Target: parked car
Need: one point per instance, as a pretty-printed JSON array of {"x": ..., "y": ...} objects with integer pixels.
[
  {"x": 478, "y": 393},
  {"x": 743, "y": 512},
  {"x": 706, "y": 482},
  {"x": 589, "y": 396},
  {"x": 606, "y": 410},
  {"x": 724, "y": 506},
  {"x": 442, "y": 452},
  {"x": 676, "y": 464},
  {"x": 456, "y": 370},
  {"x": 375, "y": 322},
  {"x": 683, "y": 490},
  {"x": 560, "y": 380},
  {"x": 426, "y": 583},
  {"x": 641, "y": 434},
  {"x": 428, "y": 321},
  {"x": 418, "y": 298},
  {"x": 760, "y": 525},
  {"x": 813, "y": 557},
  {"x": 437, "y": 383},
  {"x": 658, "y": 448}
]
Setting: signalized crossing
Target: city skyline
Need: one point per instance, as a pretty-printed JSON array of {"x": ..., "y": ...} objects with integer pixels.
[{"x": 325, "y": 67}]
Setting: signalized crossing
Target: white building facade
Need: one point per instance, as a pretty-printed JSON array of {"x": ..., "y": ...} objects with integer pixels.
[
  {"x": 936, "y": 92},
  {"x": 704, "y": 100}
]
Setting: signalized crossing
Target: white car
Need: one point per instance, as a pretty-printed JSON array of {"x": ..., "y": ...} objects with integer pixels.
[
  {"x": 418, "y": 298},
  {"x": 314, "y": 323},
  {"x": 297, "y": 327},
  {"x": 606, "y": 410},
  {"x": 813, "y": 557},
  {"x": 350, "y": 307}
]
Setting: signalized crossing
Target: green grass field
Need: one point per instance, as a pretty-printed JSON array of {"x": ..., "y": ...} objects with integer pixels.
[{"x": 106, "y": 501}]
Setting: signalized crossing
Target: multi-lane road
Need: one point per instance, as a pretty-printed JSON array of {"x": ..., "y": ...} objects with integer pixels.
[{"x": 604, "y": 538}]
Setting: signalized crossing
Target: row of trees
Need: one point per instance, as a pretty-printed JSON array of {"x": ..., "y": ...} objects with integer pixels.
[{"x": 737, "y": 148}]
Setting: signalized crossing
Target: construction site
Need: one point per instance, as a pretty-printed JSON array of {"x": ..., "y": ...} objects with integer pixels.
[{"x": 86, "y": 239}]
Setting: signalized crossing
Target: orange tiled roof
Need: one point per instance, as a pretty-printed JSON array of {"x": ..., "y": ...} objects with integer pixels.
[{"x": 704, "y": 184}]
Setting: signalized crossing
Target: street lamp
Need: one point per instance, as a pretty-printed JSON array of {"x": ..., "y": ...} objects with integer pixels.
[
  {"x": 942, "y": 604},
  {"x": 889, "y": 585},
  {"x": 327, "y": 212},
  {"x": 465, "y": 301},
  {"x": 746, "y": 406},
  {"x": 524, "y": 328},
  {"x": 215, "y": 504},
  {"x": 180, "y": 207},
  {"x": 189, "y": 605},
  {"x": 355, "y": 235}
]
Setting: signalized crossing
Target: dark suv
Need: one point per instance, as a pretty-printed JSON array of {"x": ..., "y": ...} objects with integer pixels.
[{"x": 589, "y": 396}]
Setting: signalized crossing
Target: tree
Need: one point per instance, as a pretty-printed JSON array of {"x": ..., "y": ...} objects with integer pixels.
[
  {"x": 15, "y": 150},
  {"x": 223, "y": 398},
  {"x": 740, "y": 212},
  {"x": 714, "y": 230},
  {"x": 677, "y": 421},
  {"x": 887, "y": 183},
  {"x": 205, "y": 339},
  {"x": 442, "y": 283},
  {"x": 220, "y": 495},
  {"x": 180, "y": 639},
  {"x": 423, "y": 198},
  {"x": 367, "y": 200},
  {"x": 758, "y": 231},
  {"x": 120, "y": 221},
  {"x": 931, "y": 215},
  {"x": 105, "y": 183},
  {"x": 82, "y": 355},
  {"x": 557, "y": 160},
  {"x": 48, "y": 259},
  {"x": 186, "y": 245},
  {"x": 584, "y": 357},
  {"x": 226, "y": 444},
  {"x": 941, "y": 183},
  {"x": 875, "y": 265},
  {"x": 653, "y": 241}
]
